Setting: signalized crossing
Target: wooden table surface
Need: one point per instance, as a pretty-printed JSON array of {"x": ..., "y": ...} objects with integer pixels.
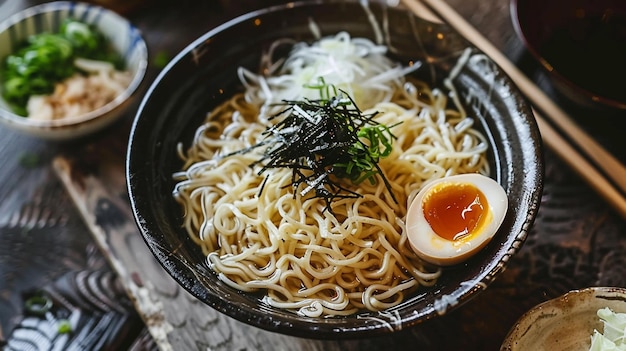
[{"x": 66, "y": 228}]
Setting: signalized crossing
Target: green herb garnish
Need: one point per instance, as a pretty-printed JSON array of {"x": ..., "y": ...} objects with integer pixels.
[
  {"x": 48, "y": 58},
  {"x": 364, "y": 157},
  {"x": 64, "y": 326},
  {"x": 161, "y": 59},
  {"x": 38, "y": 304},
  {"x": 323, "y": 141}
]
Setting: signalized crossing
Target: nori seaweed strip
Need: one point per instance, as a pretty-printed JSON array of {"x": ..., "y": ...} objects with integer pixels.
[{"x": 319, "y": 140}]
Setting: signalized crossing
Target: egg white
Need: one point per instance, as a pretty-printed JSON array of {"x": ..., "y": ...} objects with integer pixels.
[{"x": 440, "y": 251}]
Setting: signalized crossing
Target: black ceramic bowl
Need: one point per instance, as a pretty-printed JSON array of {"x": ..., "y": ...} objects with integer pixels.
[
  {"x": 581, "y": 44},
  {"x": 204, "y": 74}
]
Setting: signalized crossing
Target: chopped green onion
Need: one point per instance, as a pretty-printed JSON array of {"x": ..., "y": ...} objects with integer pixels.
[
  {"x": 38, "y": 304},
  {"x": 161, "y": 59},
  {"x": 64, "y": 326},
  {"x": 48, "y": 58}
]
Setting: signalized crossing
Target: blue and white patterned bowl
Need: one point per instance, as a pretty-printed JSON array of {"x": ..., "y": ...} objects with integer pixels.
[{"x": 123, "y": 36}]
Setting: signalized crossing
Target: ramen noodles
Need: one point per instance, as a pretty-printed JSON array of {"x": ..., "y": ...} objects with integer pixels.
[{"x": 319, "y": 258}]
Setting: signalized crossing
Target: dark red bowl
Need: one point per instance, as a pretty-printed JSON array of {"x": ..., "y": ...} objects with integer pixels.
[{"x": 581, "y": 44}]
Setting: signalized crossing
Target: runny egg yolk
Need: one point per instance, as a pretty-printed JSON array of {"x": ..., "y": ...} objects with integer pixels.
[
  {"x": 452, "y": 218},
  {"x": 455, "y": 211}
]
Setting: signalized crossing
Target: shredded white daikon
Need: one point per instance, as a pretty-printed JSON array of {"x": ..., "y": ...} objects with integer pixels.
[{"x": 357, "y": 66}]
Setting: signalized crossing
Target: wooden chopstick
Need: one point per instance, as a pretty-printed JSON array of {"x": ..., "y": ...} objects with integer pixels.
[
  {"x": 577, "y": 162},
  {"x": 610, "y": 167}
]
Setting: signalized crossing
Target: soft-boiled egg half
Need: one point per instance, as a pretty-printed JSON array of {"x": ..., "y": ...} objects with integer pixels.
[{"x": 453, "y": 217}]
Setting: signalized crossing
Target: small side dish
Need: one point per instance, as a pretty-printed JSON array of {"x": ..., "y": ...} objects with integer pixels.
[
  {"x": 63, "y": 74},
  {"x": 572, "y": 322},
  {"x": 613, "y": 334},
  {"x": 68, "y": 69}
]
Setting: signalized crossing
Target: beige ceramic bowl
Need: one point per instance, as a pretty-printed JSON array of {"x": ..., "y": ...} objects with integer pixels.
[{"x": 566, "y": 322}]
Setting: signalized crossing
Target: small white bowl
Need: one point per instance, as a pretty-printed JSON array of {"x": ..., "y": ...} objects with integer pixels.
[
  {"x": 124, "y": 37},
  {"x": 566, "y": 322}
]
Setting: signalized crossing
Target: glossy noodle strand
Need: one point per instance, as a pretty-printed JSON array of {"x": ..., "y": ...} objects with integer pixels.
[{"x": 262, "y": 235}]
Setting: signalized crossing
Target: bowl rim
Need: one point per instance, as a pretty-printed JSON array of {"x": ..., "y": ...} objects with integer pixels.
[
  {"x": 137, "y": 78},
  {"x": 577, "y": 295},
  {"x": 514, "y": 9},
  {"x": 463, "y": 293}
]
